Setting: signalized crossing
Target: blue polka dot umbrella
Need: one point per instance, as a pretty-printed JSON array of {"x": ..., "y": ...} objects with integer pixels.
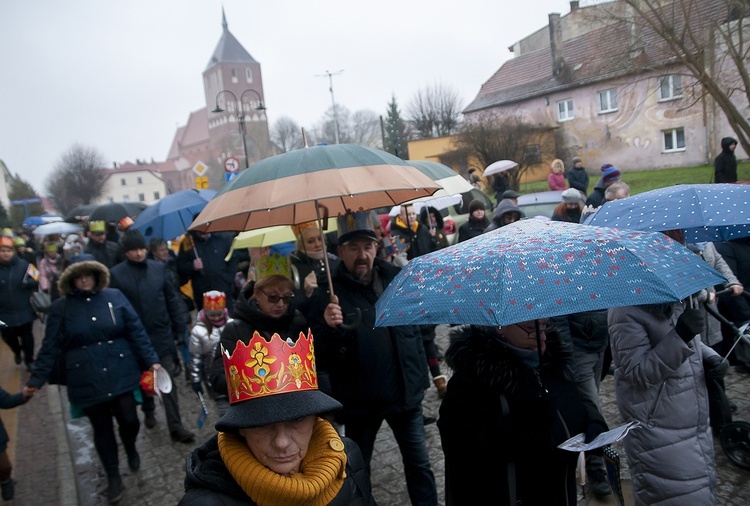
[
  {"x": 537, "y": 269},
  {"x": 704, "y": 212}
]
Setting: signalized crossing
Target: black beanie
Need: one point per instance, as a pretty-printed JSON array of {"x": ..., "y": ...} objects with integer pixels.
[
  {"x": 132, "y": 239},
  {"x": 476, "y": 204}
]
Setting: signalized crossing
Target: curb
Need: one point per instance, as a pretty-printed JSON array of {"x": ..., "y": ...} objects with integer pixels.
[{"x": 67, "y": 484}]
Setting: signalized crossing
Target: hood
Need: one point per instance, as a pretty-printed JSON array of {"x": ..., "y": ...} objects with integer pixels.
[
  {"x": 725, "y": 143},
  {"x": 424, "y": 217},
  {"x": 504, "y": 207},
  {"x": 101, "y": 274}
]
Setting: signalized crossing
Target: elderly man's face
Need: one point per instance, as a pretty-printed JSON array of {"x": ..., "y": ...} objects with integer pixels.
[
  {"x": 281, "y": 446},
  {"x": 358, "y": 256}
]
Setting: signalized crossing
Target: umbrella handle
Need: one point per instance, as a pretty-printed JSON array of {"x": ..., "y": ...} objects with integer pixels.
[{"x": 355, "y": 322}]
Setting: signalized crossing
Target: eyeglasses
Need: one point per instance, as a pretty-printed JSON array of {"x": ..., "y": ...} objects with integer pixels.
[
  {"x": 274, "y": 299},
  {"x": 531, "y": 334}
]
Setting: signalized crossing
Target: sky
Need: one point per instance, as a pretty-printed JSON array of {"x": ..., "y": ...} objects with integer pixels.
[{"x": 121, "y": 76}]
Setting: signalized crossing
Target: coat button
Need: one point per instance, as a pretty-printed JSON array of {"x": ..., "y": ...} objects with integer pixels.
[
  {"x": 337, "y": 444},
  {"x": 121, "y": 355},
  {"x": 104, "y": 369},
  {"x": 93, "y": 318}
]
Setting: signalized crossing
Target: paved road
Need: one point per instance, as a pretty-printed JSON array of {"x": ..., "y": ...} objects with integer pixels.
[{"x": 55, "y": 463}]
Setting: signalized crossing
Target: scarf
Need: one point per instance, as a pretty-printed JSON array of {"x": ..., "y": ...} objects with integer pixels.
[
  {"x": 401, "y": 224},
  {"x": 321, "y": 478}
]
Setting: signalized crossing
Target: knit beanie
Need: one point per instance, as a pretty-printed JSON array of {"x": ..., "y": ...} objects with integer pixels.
[
  {"x": 610, "y": 173},
  {"x": 575, "y": 160},
  {"x": 476, "y": 204},
  {"x": 132, "y": 239}
]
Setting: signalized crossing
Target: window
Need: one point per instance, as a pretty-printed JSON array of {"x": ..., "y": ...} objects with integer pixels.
[
  {"x": 532, "y": 153},
  {"x": 674, "y": 140},
  {"x": 126, "y": 198},
  {"x": 140, "y": 180},
  {"x": 141, "y": 197},
  {"x": 122, "y": 181},
  {"x": 670, "y": 87},
  {"x": 234, "y": 75},
  {"x": 249, "y": 75},
  {"x": 565, "y": 110},
  {"x": 608, "y": 101},
  {"x": 156, "y": 196}
]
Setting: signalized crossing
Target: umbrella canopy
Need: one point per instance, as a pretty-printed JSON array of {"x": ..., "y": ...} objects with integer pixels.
[
  {"x": 705, "y": 212},
  {"x": 452, "y": 185},
  {"x": 438, "y": 202},
  {"x": 79, "y": 213},
  {"x": 291, "y": 188},
  {"x": 171, "y": 216},
  {"x": 115, "y": 211},
  {"x": 57, "y": 227},
  {"x": 537, "y": 269},
  {"x": 270, "y": 236},
  {"x": 33, "y": 221},
  {"x": 499, "y": 166}
]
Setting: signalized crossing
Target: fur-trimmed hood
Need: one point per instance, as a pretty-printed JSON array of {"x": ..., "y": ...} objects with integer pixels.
[{"x": 101, "y": 274}]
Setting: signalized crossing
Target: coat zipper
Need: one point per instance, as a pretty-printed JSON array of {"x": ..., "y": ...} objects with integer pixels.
[{"x": 112, "y": 313}]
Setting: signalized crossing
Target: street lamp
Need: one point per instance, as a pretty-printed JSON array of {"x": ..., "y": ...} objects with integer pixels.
[{"x": 241, "y": 114}]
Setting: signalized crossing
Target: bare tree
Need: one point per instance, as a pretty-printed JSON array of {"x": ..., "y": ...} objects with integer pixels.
[
  {"x": 365, "y": 126},
  {"x": 492, "y": 136},
  {"x": 434, "y": 111},
  {"x": 287, "y": 134},
  {"x": 325, "y": 131},
  {"x": 709, "y": 39},
  {"x": 77, "y": 178}
]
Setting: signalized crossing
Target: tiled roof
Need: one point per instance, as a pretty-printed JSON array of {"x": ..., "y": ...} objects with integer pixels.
[
  {"x": 599, "y": 55},
  {"x": 229, "y": 50}
]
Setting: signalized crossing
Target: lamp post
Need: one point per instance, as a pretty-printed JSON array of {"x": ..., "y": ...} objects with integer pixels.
[{"x": 241, "y": 114}]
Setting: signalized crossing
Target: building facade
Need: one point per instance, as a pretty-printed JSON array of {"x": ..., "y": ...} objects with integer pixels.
[{"x": 132, "y": 182}]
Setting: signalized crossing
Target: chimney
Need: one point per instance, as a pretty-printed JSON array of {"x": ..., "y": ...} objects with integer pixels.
[
  {"x": 573, "y": 5},
  {"x": 556, "y": 44}
]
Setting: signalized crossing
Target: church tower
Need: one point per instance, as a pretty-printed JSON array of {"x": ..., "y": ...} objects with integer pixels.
[{"x": 235, "y": 103}]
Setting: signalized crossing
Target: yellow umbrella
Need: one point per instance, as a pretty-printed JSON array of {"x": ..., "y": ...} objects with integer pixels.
[{"x": 268, "y": 236}]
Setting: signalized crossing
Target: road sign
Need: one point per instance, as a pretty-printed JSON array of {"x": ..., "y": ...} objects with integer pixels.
[
  {"x": 228, "y": 176},
  {"x": 201, "y": 183},
  {"x": 200, "y": 168},
  {"x": 231, "y": 164}
]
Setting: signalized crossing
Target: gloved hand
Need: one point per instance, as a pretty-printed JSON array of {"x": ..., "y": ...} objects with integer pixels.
[
  {"x": 715, "y": 367},
  {"x": 197, "y": 387},
  {"x": 689, "y": 324},
  {"x": 592, "y": 431}
]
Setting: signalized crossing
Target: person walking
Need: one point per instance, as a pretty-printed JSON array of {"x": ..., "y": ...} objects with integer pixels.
[
  {"x": 725, "y": 165},
  {"x": 659, "y": 381},
  {"x": 577, "y": 176},
  {"x": 377, "y": 373},
  {"x": 50, "y": 268},
  {"x": 18, "y": 280},
  {"x": 104, "y": 251},
  {"x": 274, "y": 445},
  {"x": 476, "y": 223},
  {"x": 508, "y": 405},
  {"x": 147, "y": 286},
  {"x": 105, "y": 348}
]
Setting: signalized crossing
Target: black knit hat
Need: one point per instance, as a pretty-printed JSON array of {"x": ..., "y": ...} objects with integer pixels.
[
  {"x": 132, "y": 239},
  {"x": 476, "y": 204}
]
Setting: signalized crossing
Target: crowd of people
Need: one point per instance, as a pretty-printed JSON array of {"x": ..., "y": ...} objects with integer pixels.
[{"x": 287, "y": 349}]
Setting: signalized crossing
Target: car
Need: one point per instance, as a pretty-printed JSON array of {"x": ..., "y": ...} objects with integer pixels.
[
  {"x": 539, "y": 204},
  {"x": 453, "y": 216}
]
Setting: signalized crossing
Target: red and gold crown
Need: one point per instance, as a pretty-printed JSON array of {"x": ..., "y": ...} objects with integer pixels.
[
  {"x": 262, "y": 368},
  {"x": 214, "y": 301}
]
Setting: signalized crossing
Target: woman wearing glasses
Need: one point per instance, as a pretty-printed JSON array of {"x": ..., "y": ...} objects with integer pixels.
[
  {"x": 508, "y": 405},
  {"x": 264, "y": 306}
]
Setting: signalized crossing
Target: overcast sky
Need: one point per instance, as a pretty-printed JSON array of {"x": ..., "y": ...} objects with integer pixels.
[{"x": 120, "y": 76}]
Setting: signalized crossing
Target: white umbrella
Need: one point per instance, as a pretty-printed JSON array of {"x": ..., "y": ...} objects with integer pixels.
[
  {"x": 439, "y": 202},
  {"x": 57, "y": 227},
  {"x": 499, "y": 166}
]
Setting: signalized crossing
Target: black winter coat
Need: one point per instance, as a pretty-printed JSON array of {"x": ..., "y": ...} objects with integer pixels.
[
  {"x": 479, "y": 440},
  {"x": 373, "y": 371},
  {"x": 108, "y": 254},
  {"x": 578, "y": 178},
  {"x": 305, "y": 265},
  {"x": 209, "y": 483},
  {"x": 586, "y": 330},
  {"x": 217, "y": 274},
  {"x": 419, "y": 242},
  {"x": 596, "y": 198},
  {"x": 15, "y": 290},
  {"x": 472, "y": 228},
  {"x": 725, "y": 165},
  {"x": 149, "y": 289},
  {"x": 248, "y": 318}
]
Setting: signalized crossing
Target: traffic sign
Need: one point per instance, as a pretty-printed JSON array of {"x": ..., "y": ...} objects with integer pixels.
[
  {"x": 228, "y": 176},
  {"x": 201, "y": 183},
  {"x": 231, "y": 164},
  {"x": 200, "y": 168}
]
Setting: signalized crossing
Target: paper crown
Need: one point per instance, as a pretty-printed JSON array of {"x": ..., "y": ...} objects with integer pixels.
[
  {"x": 19, "y": 241},
  {"x": 268, "y": 265},
  {"x": 97, "y": 226},
  {"x": 7, "y": 241},
  {"x": 262, "y": 368},
  {"x": 7, "y": 232},
  {"x": 298, "y": 229},
  {"x": 214, "y": 301},
  {"x": 125, "y": 223},
  {"x": 50, "y": 248},
  {"x": 354, "y": 222}
]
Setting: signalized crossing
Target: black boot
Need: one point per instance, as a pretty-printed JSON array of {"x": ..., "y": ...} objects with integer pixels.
[
  {"x": 8, "y": 488},
  {"x": 114, "y": 489}
]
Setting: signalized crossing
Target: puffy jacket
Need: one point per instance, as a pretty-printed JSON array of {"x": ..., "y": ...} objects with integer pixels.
[
  {"x": 659, "y": 381},
  {"x": 578, "y": 178},
  {"x": 105, "y": 345},
  {"x": 15, "y": 290}
]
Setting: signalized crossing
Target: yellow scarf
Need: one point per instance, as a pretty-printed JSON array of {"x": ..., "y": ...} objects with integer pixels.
[
  {"x": 402, "y": 224},
  {"x": 321, "y": 478}
]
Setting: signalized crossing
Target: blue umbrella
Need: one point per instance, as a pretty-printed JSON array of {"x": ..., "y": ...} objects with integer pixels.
[
  {"x": 170, "y": 216},
  {"x": 33, "y": 221},
  {"x": 538, "y": 269},
  {"x": 704, "y": 212}
]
